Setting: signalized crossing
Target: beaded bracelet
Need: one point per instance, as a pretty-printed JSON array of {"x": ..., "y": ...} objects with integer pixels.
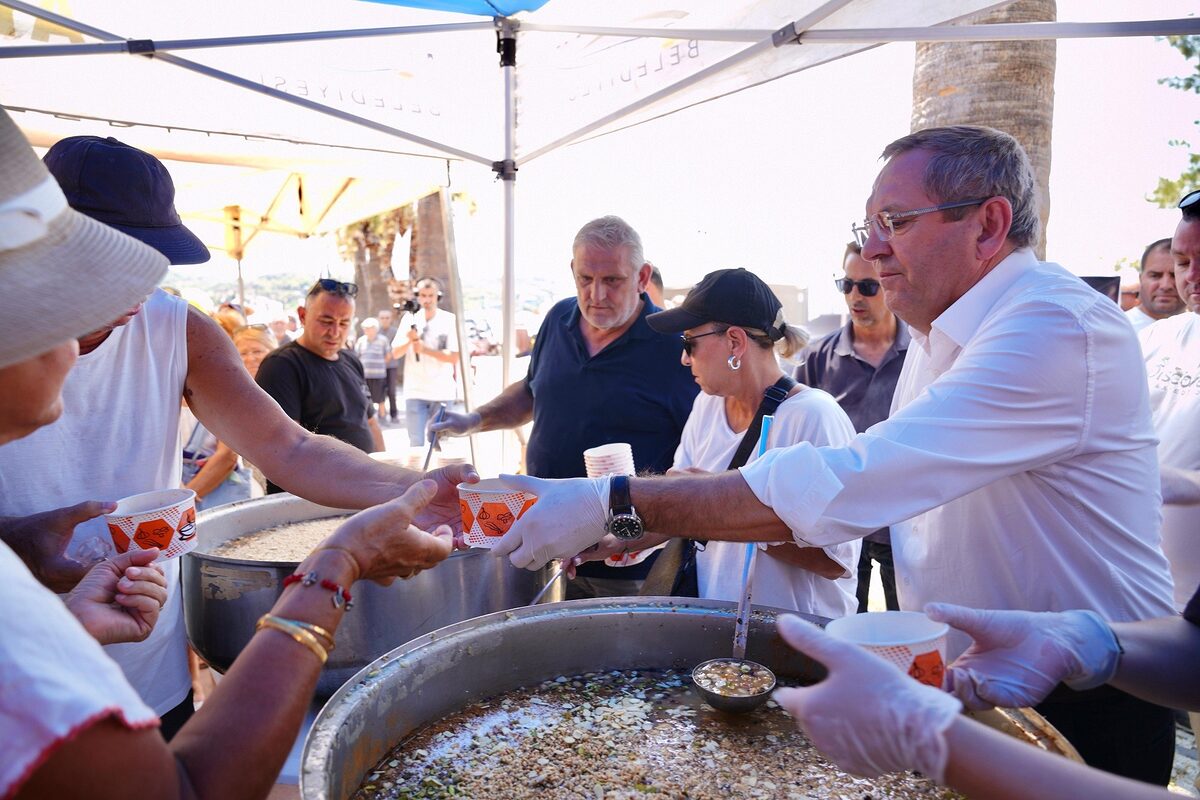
[
  {"x": 294, "y": 630},
  {"x": 341, "y": 595}
]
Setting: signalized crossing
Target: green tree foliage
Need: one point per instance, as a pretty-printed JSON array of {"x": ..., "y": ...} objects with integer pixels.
[{"x": 1168, "y": 191}]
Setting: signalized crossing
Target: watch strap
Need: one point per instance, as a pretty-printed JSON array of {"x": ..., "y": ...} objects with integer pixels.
[{"x": 619, "y": 499}]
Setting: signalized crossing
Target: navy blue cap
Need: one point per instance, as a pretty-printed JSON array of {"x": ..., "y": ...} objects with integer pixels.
[
  {"x": 125, "y": 188},
  {"x": 729, "y": 296}
]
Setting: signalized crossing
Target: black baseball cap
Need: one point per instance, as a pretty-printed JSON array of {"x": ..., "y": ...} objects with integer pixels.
[
  {"x": 732, "y": 296},
  {"x": 126, "y": 188}
]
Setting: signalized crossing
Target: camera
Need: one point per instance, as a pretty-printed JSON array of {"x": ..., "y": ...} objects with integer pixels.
[{"x": 409, "y": 306}]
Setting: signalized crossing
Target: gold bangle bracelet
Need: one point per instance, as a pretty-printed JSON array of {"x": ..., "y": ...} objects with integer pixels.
[
  {"x": 297, "y": 633},
  {"x": 316, "y": 630}
]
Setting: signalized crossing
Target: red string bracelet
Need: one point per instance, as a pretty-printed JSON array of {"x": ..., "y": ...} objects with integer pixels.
[{"x": 341, "y": 595}]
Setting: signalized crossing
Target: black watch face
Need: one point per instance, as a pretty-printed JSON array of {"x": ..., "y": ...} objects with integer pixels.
[{"x": 625, "y": 526}]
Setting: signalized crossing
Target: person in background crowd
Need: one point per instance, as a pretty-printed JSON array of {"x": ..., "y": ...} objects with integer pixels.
[
  {"x": 253, "y": 345},
  {"x": 373, "y": 351},
  {"x": 598, "y": 374},
  {"x": 1157, "y": 294},
  {"x": 1172, "y": 352},
  {"x": 655, "y": 288},
  {"x": 859, "y": 365},
  {"x": 870, "y": 718},
  {"x": 1129, "y": 294},
  {"x": 427, "y": 342},
  {"x": 119, "y": 430},
  {"x": 1016, "y": 487},
  {"x": 230, "y": 317},
  {"x": 279, "y": 331},
  {"x": 732, "y": 326},
  {"x": 388, "y": 330},
  {"x": 317, "y": 382}
]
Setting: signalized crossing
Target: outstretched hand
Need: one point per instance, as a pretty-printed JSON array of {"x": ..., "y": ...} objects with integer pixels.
[
  {"x": 118, "y": 600},
  {"x": 568, "y": 518},
  {"x": 41, "y": 541},
  {"x": 444, "y": 509},
  {"x": 1018, "y": 657},
  {"x": 867, "y": 716},
  {"x": 385, "y": 544}
]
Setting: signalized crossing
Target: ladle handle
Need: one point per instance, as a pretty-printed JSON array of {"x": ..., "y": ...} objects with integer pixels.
[
  {"x": 741, "y": 627},
  {"x": 553, "y": 579}
]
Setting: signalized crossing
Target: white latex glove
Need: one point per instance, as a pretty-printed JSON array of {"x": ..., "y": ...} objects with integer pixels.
[
  {"x": 569, "y": 517},
  {"x": 867, "y": 716},
  {"x": 455, "y": 424},
  {"x": 1179, "y": 486},
  {"x": 1018, "y": 657}
]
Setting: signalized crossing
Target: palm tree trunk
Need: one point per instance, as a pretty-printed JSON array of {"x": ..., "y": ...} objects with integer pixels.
[{"x": 1005, "y": 85}]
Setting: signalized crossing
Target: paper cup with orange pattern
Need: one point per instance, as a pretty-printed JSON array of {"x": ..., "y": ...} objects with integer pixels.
[
  {"x": 908, "y": 639},
  {"x": 164, "y": 519},
  {"x": 489, "y": 510}
]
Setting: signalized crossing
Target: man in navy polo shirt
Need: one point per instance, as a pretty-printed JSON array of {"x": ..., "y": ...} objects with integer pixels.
[{"x": 598, "y": 374}]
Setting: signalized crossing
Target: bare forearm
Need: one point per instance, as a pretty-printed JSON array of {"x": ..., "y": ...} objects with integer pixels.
[
  {"x": 304, "y": 468},
  {"x": 376, "y": 435},
  {"x": 813, "y": 559},
  {"x": 253, "y": 744},
  {"x": 1161, "y": 661},
  {"x": 214, "y": 472},
  {"x": 719, "y": 507},
  {"x": 987, "y": 765},
  {"x": 510, "y": 409}
]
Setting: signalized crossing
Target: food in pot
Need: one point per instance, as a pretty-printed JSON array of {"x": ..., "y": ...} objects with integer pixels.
[
  {"x": 291, "y": 542},
  {"x": 616, "y": 735},
  {"x": 733, "y": 678}
]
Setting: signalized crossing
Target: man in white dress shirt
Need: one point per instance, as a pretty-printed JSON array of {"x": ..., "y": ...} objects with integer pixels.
[
  {"x": 1018, "y": 466},
  {"x": 1157, "y": 293}
]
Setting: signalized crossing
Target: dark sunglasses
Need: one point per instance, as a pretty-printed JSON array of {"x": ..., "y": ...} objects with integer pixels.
[
  {"x": 257, "y": 326},
  {"x": 867, "y": 288},
  {"x": 333, "y": 287},
  {"x": 1190, "y": 199},
  {"x": 689, "y": 342}
]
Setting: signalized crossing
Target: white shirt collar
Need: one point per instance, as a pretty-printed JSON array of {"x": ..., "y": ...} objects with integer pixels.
[{"x": 955, "y": 326}]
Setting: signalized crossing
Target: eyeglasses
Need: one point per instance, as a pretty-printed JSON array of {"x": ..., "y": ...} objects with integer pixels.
[
  {"x": 689, "y": 342},
  {"x": 333, "y": 287},
  {"x": 1190, "y": 199},
  {"x": 257, "y": 326},
  {"x": 867, "y": 288},
  {"x": 887, "y": 224}
]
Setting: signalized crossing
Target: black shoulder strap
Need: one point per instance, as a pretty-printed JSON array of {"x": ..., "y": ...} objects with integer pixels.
[{"x": 772, "y": 397}]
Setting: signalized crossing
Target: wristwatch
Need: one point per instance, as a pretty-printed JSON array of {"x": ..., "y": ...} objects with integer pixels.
[{"x": 623, "y": 521}]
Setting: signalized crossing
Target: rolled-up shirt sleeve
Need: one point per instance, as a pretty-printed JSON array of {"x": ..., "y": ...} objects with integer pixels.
[{"x": 1020, "y": 396}]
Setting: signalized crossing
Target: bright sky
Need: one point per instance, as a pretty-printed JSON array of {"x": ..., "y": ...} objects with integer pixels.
[{"x": 771, "y": 178}]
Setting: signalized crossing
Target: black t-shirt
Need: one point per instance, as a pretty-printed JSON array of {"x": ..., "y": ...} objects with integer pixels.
[
  {"x": 1192, "y": 612},
  {"x": 326, "y": 397}
]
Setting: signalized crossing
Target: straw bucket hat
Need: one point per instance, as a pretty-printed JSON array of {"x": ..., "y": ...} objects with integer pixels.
[{"x": 63, "y": 274}]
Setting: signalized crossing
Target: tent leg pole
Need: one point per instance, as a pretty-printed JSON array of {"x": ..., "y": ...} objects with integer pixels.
[{"x": 507, "y": 171}]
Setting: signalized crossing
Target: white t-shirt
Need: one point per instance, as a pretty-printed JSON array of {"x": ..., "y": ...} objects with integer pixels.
[
  {"x": 55, "y": 680},
  {"x": 1139, "y": 319},
  {"x": 427, "y": 378},
  {"x": 118, "y": 436},
  {"x": 1020, "y": 449},
  {"x": 709, "y": 443},
  {"x": 1172, "y": 350}
]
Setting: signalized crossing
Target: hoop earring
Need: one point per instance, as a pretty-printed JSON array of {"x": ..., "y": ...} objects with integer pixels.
[{"x": 734, "y": 363}]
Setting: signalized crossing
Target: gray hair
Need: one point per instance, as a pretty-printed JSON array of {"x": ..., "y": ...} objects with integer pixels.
[
  {"x": 609, "y": 233},
  {"x": 972, "y": 161},
  {"x": 369, "y": 322}
]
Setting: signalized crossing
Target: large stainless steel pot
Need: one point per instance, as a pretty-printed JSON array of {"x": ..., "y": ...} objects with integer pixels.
[
  {"x": 224, "y": 597},
  {"x": 442, "y": 671}
]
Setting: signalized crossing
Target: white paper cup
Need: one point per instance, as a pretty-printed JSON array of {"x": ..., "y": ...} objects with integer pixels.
[
  {"x": 489, "y": 510},
  {"x": 609, "y": 459},
  {"x": 164, "y": 519},
  {"x": 908, "y": 639}
]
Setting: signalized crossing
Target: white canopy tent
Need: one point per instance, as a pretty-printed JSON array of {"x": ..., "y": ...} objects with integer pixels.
[{"x": 426, "y": 84}]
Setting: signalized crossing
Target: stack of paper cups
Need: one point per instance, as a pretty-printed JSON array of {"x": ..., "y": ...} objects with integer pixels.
[
  {"x": 609, "y": 459},
  {"x": 614, "y": 459}
]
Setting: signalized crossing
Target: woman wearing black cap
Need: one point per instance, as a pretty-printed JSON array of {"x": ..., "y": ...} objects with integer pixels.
[{"x": 733, "y": 326}]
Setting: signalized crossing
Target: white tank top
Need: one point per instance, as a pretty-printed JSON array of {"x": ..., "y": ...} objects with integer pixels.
[{"x": 118, "y": 436}]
